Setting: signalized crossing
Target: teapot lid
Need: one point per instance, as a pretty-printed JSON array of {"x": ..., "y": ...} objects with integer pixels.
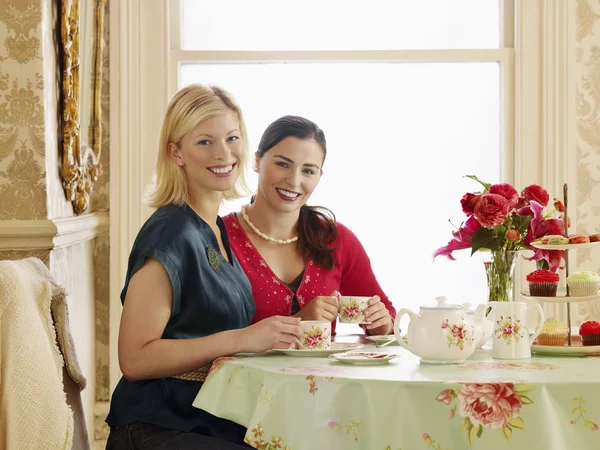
[
  {"x": 442, "y": 305},
  {"x": 468, "y": 309}
]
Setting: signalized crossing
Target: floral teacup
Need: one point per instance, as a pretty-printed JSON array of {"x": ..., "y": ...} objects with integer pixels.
[
  {"x": 352, "y": 309},
  {"x": 316, "y": 334}
]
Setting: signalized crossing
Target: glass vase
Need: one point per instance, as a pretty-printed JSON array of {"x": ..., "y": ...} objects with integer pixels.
[{"x": 500, "y": 269}]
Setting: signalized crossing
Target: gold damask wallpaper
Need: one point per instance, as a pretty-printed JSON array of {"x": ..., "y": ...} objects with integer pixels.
[
  {"x": 22, "y": 174},
  {"x": 100, "y": 202},
  {"x": 588, "y": 139}
]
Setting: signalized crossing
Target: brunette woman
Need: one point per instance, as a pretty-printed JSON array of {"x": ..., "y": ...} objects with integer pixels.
[{"x": 297, "y": 257}]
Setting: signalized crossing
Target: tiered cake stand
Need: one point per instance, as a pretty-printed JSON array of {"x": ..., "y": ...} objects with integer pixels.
[{"x": 574, "y": 345}]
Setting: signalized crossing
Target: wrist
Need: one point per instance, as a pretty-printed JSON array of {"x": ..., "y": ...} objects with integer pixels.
[{"x": 236, "y": 341}]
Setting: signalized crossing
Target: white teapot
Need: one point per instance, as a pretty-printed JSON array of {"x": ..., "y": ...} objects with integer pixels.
[
  {"x": 440, "y": 334},
  {"x": 483, "y": 332}
]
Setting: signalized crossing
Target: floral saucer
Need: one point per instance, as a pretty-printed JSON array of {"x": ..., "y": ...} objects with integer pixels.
[
  {"x": 365, "y": 358},
  {"x": 336, "y": 347}
]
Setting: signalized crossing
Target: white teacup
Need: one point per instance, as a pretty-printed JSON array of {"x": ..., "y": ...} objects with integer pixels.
[
  {"x": 352, "y": 309},
  {"x": 316, "y": 334}
]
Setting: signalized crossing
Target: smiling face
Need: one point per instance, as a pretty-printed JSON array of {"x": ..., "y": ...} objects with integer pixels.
[
  {"x": 289, "y": 172},
  {"x": 211, "y": 153}
]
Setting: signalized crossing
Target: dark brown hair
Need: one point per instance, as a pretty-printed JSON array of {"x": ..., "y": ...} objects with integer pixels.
[{"x": 316, "y": 224}]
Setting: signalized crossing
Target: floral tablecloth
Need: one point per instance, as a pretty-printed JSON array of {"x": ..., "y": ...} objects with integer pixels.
[{"x": 318, "y": 403}]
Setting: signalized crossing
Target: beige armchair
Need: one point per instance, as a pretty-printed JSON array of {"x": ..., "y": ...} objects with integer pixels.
[{"x": 40, "y": 378}]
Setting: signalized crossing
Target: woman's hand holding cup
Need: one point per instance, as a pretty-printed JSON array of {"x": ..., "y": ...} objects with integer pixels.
[
  {"x": 321, "y": 308},
  {"x": 274, "y": 332},
  {"x": 378, "y": 318}
]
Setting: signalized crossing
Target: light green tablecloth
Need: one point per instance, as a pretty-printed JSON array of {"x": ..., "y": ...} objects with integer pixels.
[{"x": 318, "y": 403}]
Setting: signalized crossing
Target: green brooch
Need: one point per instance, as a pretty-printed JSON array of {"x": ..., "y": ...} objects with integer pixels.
[{"x": 214, "y": 260}]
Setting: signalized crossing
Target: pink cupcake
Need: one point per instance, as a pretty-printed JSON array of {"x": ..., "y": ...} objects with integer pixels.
[{"x": 543, "y": 283}]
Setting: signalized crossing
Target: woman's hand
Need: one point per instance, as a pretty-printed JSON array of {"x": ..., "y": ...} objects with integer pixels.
[
  {"x": 378, "y": 316},
  {"x": 321, "y": 308},
  {"x": 273, "y": 332}
]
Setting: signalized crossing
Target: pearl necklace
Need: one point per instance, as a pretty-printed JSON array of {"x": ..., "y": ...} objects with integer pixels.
[{"x": 260, "y": 233}]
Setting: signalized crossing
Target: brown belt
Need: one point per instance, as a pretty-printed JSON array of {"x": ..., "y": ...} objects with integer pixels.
[{"x": 198, "y": 375}]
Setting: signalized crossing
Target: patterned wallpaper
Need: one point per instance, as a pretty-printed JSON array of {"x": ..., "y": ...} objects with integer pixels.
[
  {"x": 25, "y": 186},
  {"x": 588, "y": 140},
  {"x": 100, "y": 202},
  {"x": 22, "y": 175}
]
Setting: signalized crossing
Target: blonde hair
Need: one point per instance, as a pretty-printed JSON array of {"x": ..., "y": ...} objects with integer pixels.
[{"x": 188, "y": 108}]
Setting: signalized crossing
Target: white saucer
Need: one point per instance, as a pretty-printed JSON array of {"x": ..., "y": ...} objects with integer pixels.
[
  {"x": 365, "y": 358},
  {"x": 381, "y": 338},
  {"x": 336, "y": 347}
]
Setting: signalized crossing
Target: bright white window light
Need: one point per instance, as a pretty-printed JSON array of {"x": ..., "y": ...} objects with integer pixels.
[
  {"x": 400, "y": 138},
  {"x": 339, "y": 24}
]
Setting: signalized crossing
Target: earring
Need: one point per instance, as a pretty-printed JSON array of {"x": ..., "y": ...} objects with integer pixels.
[{"x": 181, "y": 163}]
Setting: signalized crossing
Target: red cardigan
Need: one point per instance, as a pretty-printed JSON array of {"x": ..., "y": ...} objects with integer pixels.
[{"x": 352, "y": 274}]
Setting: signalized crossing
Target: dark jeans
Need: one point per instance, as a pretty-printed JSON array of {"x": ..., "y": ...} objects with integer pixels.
[{"x": 143, "y": 436}]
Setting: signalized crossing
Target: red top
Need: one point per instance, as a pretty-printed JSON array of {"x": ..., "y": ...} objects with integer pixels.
[
  {"x": 543, "y": 276},
  {"x": 352, "y": 274},
  {"x": 590, "y": 327}
]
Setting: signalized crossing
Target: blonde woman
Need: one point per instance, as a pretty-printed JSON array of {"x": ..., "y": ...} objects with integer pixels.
[{"x": 186, "y": 300}]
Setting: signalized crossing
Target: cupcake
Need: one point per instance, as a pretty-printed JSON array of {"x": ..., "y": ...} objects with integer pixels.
[
  {"x": 583, "y": 284},
  {"x": 554, "y": 332},
  {"x": 590, "y": 332},
  {"x": 543, "y": 283}
]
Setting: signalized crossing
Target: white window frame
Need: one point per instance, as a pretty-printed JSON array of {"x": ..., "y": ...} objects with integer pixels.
[{"x": 539, "y": 144}]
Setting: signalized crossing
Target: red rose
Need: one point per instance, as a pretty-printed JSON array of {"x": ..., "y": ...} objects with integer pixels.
[
  {"x": 506, "y": 191},
  {"x": 468, "y": 203},
  {"x": 536, "y": 193},
  {"x": 491, "y": 210}
]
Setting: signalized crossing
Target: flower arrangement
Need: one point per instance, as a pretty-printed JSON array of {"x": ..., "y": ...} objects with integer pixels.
[{"x": 503, "y": 221}]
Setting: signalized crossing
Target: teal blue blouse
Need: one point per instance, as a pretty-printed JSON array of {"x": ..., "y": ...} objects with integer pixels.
[{"x": 210, "y": 295}]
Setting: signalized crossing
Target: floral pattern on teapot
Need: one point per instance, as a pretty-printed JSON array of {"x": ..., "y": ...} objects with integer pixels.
[{"x": 458, "y": 335}]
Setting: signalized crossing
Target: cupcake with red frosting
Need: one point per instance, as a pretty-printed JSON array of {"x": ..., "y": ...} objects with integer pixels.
[
  {"x": 543, "y": 283},
  {"x": 590, "y": 332}
]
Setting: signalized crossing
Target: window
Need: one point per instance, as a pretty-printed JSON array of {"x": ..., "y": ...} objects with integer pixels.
[{"x": 411, "y": 97}]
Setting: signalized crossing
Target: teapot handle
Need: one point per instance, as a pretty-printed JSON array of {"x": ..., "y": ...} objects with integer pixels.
[
  {"x": 399, "y": 337},
  {"x": 538, "y": 329}
]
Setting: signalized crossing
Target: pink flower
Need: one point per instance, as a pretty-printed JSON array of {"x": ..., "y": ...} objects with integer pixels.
[
  {"x": 444, "y": 397},
  {"x": 513, "y": 235},
  {"x": 538, "y": 227},
  {"x": 535, "y": 193},
  {"x": 426, "y": 437},
  {"x": 331, "y": 424},
  {"x": 491, "y": 405},
  {"x": 461, "y": 239},
  {"x": 491, "y": 210},
  {"x": 594, "y": 427},
  {"x": 452, "y": 412},
  {"x": 507, "y": 191},
  {"x": 468, "y": 202}
]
